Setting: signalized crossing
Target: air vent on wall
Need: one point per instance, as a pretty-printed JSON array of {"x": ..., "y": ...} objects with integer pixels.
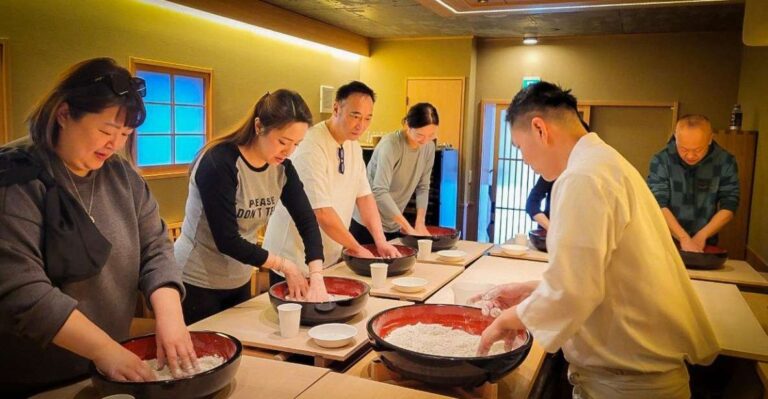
[{"x": 326, "y": 99}]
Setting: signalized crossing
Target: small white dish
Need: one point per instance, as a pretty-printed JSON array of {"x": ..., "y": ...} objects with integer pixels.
[
  {"x": 409, "y": 284},
  {"x": 333, "y": 335},
  {"x": 452, "y": 255},
  {"x": 514, "y": 249}
]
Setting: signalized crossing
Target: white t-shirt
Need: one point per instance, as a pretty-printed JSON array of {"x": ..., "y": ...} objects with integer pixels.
[
  {"x": 616, "y": 293},
  {"x": 317, "y": 162}
]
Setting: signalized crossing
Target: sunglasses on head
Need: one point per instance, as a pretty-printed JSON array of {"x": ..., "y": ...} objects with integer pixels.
[
  {"x": 122, "y": 85},
  {"x": 340, "y": 153}
]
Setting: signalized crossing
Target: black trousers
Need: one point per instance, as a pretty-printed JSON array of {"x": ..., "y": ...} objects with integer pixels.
[
  {"x": 363, "y": 236},
  {"x": 203, "y": 302}
]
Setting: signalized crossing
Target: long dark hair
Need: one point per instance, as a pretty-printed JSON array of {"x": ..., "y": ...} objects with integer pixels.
[
  {"x": 422, "y": 114},
  {"x": 274, "y": 110},
  {"x": 87, "y": 87}
]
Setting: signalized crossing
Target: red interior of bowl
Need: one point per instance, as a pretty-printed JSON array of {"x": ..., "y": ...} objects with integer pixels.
[
  {"x": 334, "y": 285},
  {"x": 464, "y": 318},
  {"x": 404, "y": 251},
  {"x": 711, "y": 249},
  {"x": 206, "y": 343},
  {"x": 437, "y": 231}
]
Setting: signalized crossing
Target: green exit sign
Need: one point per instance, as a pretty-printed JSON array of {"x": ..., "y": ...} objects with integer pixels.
[{"x": 529, "y": 80}]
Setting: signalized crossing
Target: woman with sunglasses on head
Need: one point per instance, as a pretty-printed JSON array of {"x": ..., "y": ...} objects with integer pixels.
[
  {"x": 81, "y": 234},
  {"x": 400, "y": 165},
  {"x": 234, "y": 187}
]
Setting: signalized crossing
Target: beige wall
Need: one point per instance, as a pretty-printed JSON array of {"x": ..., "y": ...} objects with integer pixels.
[
  {"x": 45, "y": 37},
  {"x": 701, "y": 70},
  {"x": 753, "y": 92}
]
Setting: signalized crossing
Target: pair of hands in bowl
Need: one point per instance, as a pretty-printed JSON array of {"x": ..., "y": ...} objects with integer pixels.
[
  {"x": 174, "y": 344},
  {"x": 493, "y": 303},
  {"x": 417, "y": 231},
  {"x": 299, "y": 288},
  {"x": 693, "y": 244},
  {"x": 385, "y": 249}
]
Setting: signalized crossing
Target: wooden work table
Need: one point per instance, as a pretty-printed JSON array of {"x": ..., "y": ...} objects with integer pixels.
[
  {"x": 255, "y": 377},
  {"x": 473, "y": 249},
  {"x": 736, "y": 272},
  {"x": 342, "y": 386},
  {"x": 255, "y": 324},
  {"x": 530, "y": 254},
  {"x": 436, "y": 276}
]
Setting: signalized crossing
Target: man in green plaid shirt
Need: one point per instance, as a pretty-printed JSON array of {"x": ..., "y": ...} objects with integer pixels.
[{"x": 696, "y": 183}]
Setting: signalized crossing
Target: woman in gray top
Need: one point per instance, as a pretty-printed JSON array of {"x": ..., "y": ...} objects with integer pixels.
[
  {"x": 401, "y": 165},
  {"x": 55, "y": 315}
]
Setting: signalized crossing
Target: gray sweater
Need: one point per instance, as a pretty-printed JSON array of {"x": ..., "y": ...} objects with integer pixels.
[
  {"x": 32, "y": 310},
  {"x": 395, "y": 171}
]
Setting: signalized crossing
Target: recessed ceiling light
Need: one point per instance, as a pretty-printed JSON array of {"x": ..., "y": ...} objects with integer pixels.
[{"x": 530, "y": 39}]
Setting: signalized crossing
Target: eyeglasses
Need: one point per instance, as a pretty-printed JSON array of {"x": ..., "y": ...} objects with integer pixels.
[
  {"x": 122, "y": 85},
  {"x": 340, "y": 153}
]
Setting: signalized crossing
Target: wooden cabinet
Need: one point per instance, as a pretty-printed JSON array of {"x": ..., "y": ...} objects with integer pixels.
[{"x": 742, "y": 144}]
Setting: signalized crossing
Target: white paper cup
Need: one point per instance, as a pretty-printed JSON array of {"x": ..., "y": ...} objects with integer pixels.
[
  {"x": 425, "y": 248},
  {"x": 463, "y": 290},
  {"x": 379, "y": 274},
  {"x": 289, "y": 315},
  {"x": 521, "y": 239}
]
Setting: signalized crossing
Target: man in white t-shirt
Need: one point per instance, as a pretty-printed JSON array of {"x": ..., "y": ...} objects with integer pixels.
[
  {"x": 330, "y": 164},
  {"x": 616, "y": 297}
]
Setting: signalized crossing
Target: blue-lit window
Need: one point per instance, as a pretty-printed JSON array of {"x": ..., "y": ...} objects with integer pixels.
[{"x": 176, "y": 127}]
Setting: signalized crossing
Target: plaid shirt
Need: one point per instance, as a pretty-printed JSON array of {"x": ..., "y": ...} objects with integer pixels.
[{"x": 695, "y": 193}]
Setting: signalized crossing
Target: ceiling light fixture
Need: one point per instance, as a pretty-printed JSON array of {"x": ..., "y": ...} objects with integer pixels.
[
  {"x": 575, "y": 7},
  {"x": 529, "y": 39}
]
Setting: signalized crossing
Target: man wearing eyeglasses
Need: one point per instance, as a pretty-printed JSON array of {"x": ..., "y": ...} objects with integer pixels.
[
  {"x": 330, "y": 164},
  {"x": 696, "y": 183}
]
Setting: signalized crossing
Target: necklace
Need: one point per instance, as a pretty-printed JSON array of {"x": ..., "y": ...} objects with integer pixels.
[{"x": 93, "y": 189}]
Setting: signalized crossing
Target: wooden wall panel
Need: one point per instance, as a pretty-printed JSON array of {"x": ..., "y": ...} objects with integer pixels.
[{"x": 742, "y": 144}]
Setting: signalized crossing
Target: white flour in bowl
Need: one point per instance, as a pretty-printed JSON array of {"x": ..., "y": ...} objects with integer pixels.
[
  {"x": 439, "y": 340},
  {"x": 204, "y": 364}
]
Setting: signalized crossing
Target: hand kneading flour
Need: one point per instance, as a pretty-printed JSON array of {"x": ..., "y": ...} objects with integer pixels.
[
  {"x": 204, "y": 364},
  {"x": 439, "y": 340}
]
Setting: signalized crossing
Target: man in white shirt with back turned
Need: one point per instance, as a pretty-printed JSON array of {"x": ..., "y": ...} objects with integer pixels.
[
  {"x": 616, "y": 297},
  {"x": 330, "y": 164}
]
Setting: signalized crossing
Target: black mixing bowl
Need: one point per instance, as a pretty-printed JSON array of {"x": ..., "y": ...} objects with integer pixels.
[
  {"x": 712, "y": 258},
  {"x": 442, "y": 238},
  {"x": 206, "y": 343},
  {"x": 442, "y": 370},
  {"x": 326, "y": 312},
  {"x": 397, "y": 266},
  {"x": 538, "y": 238}
]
